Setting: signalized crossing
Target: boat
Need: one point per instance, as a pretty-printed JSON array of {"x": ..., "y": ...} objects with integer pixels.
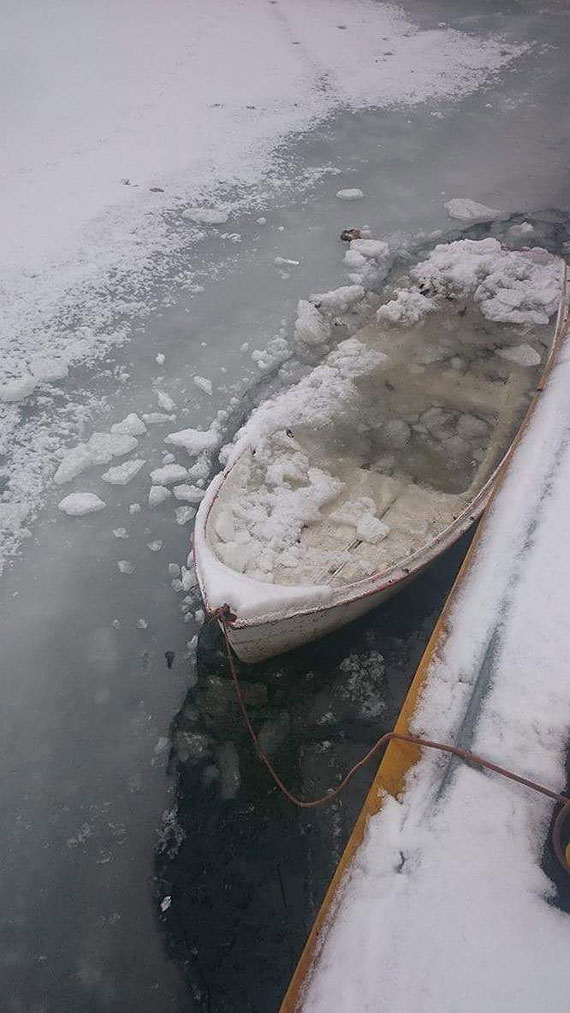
[{"x": 384, "y": 476}]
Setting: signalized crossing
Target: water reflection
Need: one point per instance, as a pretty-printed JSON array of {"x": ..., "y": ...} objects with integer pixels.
[{"x": 240, "y": 872}]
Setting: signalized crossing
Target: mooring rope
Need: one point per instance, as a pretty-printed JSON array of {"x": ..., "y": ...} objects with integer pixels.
[{"x": 224, "y": 616}]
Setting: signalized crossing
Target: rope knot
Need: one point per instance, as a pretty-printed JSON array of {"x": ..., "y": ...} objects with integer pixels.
[{"x": 224, "y": 615}]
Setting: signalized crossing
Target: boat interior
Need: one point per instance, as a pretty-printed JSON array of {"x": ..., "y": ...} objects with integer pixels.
[{"x": 431, "y": 427}]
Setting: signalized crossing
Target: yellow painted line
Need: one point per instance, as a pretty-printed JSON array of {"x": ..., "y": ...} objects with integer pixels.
[{"x": 400, "y": 757}]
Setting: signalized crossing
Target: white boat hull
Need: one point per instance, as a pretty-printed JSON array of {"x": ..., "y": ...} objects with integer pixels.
[
  {"x": 269, "y": 619},
  {"x": 257, "y": 642}
]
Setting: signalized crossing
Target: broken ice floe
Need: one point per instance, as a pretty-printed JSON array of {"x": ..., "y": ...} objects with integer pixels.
[
  {"x": 132, "y": 425},
  {"x": 470, "y": 211},
  {"x": 169, "y": 474},
  {"x": 521, "y": 355},
  {"x": 188, "y": 493},
  {"x": 123, "y": 473},
  {"x": 165, "y": 401},
  {"x": 351, "y": 193},
  {"x": 78, "y": 504},
  {"x": 184, "y": 514},
  {"x": 204, "y": 384},
  {"x": 194, "y": 441},
  {"x": 510, "y": 286},
  {"x": 158, "y": 494},
  {"x": 99, "y": 449},
  {"x": 125, "y": 566}
]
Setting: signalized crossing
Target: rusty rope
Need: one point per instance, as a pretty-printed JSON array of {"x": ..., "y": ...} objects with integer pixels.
[{"x": 224, "y": 616}]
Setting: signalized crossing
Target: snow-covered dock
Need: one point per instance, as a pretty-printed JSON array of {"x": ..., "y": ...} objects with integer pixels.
[{"x": 441, "y": 901}]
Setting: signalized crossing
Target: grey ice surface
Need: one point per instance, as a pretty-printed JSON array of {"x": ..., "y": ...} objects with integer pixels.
[{"x": 86, "y": 702}]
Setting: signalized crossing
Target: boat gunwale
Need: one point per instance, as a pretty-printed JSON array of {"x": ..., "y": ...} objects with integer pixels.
[{"x": 389, "y": 578}]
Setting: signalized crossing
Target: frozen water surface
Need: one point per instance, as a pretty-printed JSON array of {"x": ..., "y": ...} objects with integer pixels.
[{"x": 89, "y": 692}]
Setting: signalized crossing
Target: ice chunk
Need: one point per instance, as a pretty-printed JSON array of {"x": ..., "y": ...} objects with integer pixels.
[
  {"x": 184, "y": 514},
  {"x": 155, "y": 545},
  {"x": 522, "y": 230},
  {"x": 409, "y": 307},
  {"x": 156, "y": 418},
  {"x": 224, "y": 525},
  {"x": 75, "y": 461},
  {"x": 521, "y": 355},
  {"x": 470, "y": 211},
  {"x": 236, "y": 555},
  {"x": 173, "y": 570},
  {"x": 157, "y": 495},
  {"x": 195, "y": 441},
  {"x": 125, "y": 566},
  {"x": 370, "y": 248},
  {"x": 351, "y": 511},
  {"x": 188, "y": 578},
  {"x": 99, "y": 449},
  {"x": 371, "y": 529},
  {"x": 339, "y": 300},
  {"x": 120, "y": 533},
  {"x": 165, "y": 401},
  {"x": 18, "y": 389},
  {"x": 510, "y": 286},
  {"x": 311, "y": 327},
  {"x": 104, "y": 446},
  {"x": 134, "y": 508},
  {"x": 77, "y": 504},
  {"x": 200, "y": 469},
  {"x": 130, "y": 426},
  {"x": 142, "y": 624},
  {"x": 315, "y": 400},
  {"x": 206, "y": 216},
  {"x": 204, "y": 384},
  {"x": 354, "y": 260},
  {"x": 168, "y": 474},
  {"x": 160, "y": 358},
  {"x": 352, "y": 193},
  {"x": 48, "y": 369},
  {"x": 123, "y": 473},
  {"x": 285, "y": 262},
  {"x": 189, "y": 493}
]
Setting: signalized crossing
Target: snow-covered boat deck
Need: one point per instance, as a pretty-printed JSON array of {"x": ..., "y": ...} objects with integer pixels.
[{"x": 441, "y": 902}]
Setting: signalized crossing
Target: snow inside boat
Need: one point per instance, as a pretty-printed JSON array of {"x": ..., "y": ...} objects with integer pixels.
[{"x": 345, "y": 487}]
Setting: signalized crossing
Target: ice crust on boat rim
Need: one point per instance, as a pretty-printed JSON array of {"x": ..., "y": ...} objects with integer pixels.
[{"x": 377, "y": 449}]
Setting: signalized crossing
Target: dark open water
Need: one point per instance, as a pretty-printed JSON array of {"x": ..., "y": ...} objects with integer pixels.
[{"x": 244, "y": 875}]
